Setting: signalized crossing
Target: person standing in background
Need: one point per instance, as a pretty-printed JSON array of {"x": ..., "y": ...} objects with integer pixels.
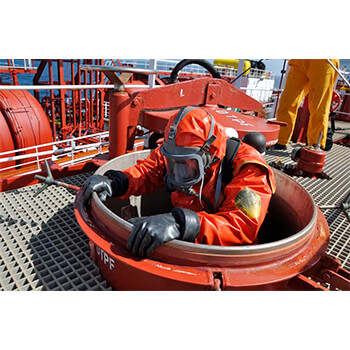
[{"x": 315, "y": 77}]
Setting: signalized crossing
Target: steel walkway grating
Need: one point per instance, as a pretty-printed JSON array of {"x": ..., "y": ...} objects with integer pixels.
[
  {"x": 41, "y": 245},
  {"x": 329, "y": 192},
  {"x": 43, "y": 248}
]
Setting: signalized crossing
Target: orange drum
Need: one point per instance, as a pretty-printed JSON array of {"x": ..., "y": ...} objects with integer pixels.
[
  {"x": 6, "y": 142},
  {"x": 26, "y": 120}
]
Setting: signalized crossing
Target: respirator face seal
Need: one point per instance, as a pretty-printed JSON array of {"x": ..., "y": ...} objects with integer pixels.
[{"x": 185, "y": 166}]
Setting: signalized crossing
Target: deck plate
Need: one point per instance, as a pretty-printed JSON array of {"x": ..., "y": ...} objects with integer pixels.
[{"x": 43, "y": 248}]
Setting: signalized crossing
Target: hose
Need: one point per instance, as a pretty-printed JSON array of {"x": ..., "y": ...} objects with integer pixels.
[{"x": 203, "y": 63}]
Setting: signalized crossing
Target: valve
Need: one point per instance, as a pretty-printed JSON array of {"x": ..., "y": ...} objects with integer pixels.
[
  {"x": 343, "y": 206},
  {"x": 336, "y": 100},
  {"x": 49, "y": 180}
]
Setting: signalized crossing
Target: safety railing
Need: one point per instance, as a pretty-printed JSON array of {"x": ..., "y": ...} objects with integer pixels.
[
  {"x": 16, "y": 64},
  {"x": 65, "y": 152},
  {"x": 252, "y": 73},
  {"x": 164, "y": 65},
  {"x": 261, "y": 94},
  {"x": 168, "y": 65}
]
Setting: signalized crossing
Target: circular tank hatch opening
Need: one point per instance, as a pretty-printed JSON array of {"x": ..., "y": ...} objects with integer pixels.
[
  {"x": 291, "y": 240},
  {"x": 281, "y": 221},
  {"x": 291, "y": 211}
]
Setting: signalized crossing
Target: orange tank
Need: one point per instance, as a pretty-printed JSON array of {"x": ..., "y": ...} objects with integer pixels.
[
  {"x": 6, "y": 142},
  {"x": 26, "y": 120}
]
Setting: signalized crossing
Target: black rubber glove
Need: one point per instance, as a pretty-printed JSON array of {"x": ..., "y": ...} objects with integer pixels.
[
  {"x": 151, "y": 232},
  {"x": 112, "y": 184}
]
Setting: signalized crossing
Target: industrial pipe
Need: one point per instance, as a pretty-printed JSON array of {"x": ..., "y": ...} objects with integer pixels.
[{"x": 65, "y": 87}]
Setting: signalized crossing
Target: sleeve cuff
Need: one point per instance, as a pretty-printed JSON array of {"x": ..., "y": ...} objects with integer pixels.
[{"x": 189, "y": 223}]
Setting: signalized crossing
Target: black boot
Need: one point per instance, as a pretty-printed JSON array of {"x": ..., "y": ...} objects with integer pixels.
[
  {"x": 329, "y": 140},
  {"x": 277, "y": 146}
]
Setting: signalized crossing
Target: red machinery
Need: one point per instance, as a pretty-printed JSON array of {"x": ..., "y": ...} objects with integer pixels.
[
  {"x": 72, "y": 112},
  {"x": 292, "y": 245},
  {"x": 153, "y": 108},
  {"x": 310, "y": 161},
  {"x": 24, "y": 122},
  {"x": 293, "y": 239},
  {"x": 6, "y": 141},
  {"x": 76, "y": 108}
]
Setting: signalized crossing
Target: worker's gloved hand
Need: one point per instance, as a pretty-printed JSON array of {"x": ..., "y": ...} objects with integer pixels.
[
  {"x": 151, "y": 232},
  {"x": 100, "y": 184},
  {"x": 113, "y": 183}
]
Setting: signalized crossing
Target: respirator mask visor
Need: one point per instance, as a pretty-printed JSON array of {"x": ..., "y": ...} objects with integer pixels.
[{"x": 184, "y": 170}]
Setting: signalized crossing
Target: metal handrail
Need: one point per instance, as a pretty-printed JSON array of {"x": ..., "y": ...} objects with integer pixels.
[
  {"x": 54, "y": 153},
  {"x": 27, "y": 64},
  {"x": 97, "y": 135},
  {"x": 65, "y": 87}
]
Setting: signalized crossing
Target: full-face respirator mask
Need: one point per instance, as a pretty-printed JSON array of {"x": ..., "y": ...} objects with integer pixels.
[{"x": 186, "y": 165}]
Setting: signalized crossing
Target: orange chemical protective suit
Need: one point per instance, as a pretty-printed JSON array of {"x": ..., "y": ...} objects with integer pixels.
[
  {"x": 227, "y": 224},
  {"x": 313, "y": 77}
]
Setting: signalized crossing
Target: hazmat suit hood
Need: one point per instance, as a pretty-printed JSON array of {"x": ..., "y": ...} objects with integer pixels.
[
  {"x": 194, "y": 146},
  {"x": 194, "y": 129}
]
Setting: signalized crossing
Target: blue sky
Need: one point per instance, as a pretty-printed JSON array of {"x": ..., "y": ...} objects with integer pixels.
[{"x": 274, "y": 66}]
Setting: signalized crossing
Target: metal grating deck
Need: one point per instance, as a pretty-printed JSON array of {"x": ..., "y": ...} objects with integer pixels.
[
  {"x": 43, "y": 248},
  {"x": 329, "y": 192},
  {"x": 41, "y": 245}
]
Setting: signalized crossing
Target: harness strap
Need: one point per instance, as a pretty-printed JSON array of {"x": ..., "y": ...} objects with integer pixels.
[
  {"x": 232, "y": 146},
  {"x": 226, "y": 171}
]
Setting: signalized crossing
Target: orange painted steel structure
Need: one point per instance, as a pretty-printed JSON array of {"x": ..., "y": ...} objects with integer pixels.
[
  {"x": 152, "y": 109},
  {"x": 80, "y": 111},
  {"x": 6, "y": 141},
  {"x": 13, "y": 71},
  {"x": 311, "y": 161},
  {"x": 282, "y": 264},
  {"x": 71, "y": 113},
  {"x": 25, "y": 122},
  {"x": 279, "y": 264},
  {"x": 74, "y": 112},
  {"x": 293, "y": 239},
  {"x": 25, "y": 119}
]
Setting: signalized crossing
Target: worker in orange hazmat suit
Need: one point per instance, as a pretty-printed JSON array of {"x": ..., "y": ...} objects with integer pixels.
[
  {"x": 315, "y": 77},
  {"x": 209, "y": 207}
]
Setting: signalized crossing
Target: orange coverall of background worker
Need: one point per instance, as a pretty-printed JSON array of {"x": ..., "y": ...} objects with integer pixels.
[{"x": 315, "y": 77}]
